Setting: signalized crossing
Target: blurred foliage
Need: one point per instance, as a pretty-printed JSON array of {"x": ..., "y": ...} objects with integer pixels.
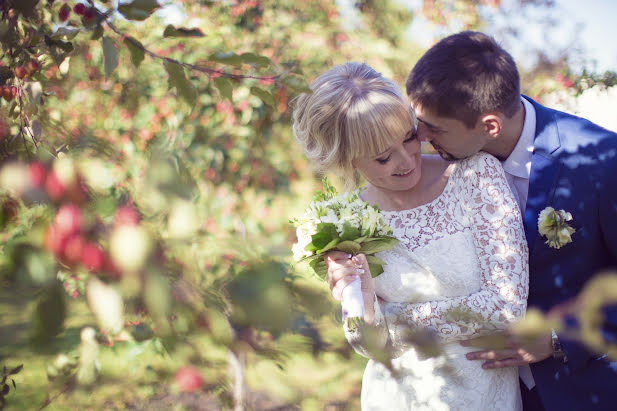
[{"x": 148, "y": 171}]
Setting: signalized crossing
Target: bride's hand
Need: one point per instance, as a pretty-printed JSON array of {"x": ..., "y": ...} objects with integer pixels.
[{"x": 343, "y": 269}]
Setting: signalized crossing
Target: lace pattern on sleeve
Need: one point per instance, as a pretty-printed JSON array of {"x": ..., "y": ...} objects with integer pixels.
[
  {"x": 494, "y": 220},
  {"x": 364, "y": 340}
]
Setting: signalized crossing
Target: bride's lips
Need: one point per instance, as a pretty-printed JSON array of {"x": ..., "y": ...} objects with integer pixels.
[{"x": 404, "y": 174}]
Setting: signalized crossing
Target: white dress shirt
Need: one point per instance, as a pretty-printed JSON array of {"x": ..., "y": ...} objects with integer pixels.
[
  {"x": 518, "y": 168},
  {"x": 518, "y": 165}
]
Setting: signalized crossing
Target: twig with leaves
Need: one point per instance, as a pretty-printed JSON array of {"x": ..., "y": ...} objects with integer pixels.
[{"x": 6, "y": 388}]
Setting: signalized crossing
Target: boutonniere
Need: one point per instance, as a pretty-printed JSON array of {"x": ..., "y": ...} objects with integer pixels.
[{"x": 554, "y": 226}]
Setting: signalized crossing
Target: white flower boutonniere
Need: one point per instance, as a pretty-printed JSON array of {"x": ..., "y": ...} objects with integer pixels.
[{"x": 554, "y": 226}]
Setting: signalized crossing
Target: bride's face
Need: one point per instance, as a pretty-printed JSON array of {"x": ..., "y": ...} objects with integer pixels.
[{"x": 395, "y": 169}]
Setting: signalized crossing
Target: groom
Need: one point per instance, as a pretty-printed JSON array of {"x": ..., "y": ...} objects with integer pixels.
[{"x": 466, "y": 93}]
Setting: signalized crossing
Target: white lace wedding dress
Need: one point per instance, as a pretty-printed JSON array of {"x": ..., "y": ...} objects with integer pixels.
[{"x": 460, "y": 271}]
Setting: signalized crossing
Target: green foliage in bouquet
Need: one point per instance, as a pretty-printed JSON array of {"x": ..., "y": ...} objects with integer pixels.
[{"x": 342, "y": 223}]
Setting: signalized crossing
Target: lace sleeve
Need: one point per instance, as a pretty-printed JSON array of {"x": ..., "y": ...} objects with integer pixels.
[
  {"x": 501, "y": 248},
  {"x": 369, "y": 341}
]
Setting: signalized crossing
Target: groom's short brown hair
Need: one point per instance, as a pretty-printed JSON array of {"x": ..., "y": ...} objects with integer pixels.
[{"x": 464, "y": 76}]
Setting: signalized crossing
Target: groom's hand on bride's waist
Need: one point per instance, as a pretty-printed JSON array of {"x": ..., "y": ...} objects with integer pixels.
[{"x": 506, "y": 350}]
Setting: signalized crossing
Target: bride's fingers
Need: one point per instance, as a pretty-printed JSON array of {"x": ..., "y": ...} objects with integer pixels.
[
  {"x": 337, "y": 289},
  {"x": 337, "y": 268},
  {"x": 364, "y": 271}
]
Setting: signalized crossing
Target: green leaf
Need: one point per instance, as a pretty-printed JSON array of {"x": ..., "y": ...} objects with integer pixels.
[
  {"x": 171, "y": 31},
  {"x": 371, "y": 259},
  {"x": 226, "y": 58},
  {"x": 263, "y": 95},
  {"x": 68, "y": 32},
  {"x": 178, "y": 79},
  {"x": 137, "y": 53},
  {"x": 224, "y": 86},
  {"x": 329, "y": 228},
  {"x": 110, "y": 53},
  {"x": 319, "y": 266},
  {"x": 138, "y": 9},
  {"x": 350, "y": 232},
  {"x": 296, "y": 84},
  {"x": 16, "y": 369},
  {"x": 257, "y": 60},
  {"x": 350, "y": 247},
  {"x": 97, "y": 33},
  {"x": 376, "y": 269},
  {"x": 332, "y": 244},
  {"x": 382, "y": 244},
  {"x": 321, "y": 239}
]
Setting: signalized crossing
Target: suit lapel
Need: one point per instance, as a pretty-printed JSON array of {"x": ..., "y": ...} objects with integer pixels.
[{"x": 544, "y": 170}]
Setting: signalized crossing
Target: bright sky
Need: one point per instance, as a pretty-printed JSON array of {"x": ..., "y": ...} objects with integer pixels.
[{"x": 590, "y": 29}]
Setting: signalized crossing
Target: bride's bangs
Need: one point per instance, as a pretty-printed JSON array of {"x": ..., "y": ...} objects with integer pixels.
[{"x": 374, "y": 125}]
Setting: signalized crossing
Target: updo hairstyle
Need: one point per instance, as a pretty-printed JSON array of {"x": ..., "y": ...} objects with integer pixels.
[{"x": 352, "y": 112}]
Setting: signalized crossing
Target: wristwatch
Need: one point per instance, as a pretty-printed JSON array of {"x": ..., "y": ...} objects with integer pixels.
[{"x": 558, "y": 352}]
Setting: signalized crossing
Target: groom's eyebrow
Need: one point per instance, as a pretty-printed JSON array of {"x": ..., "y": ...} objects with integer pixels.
[{"x": 429, "y": 125}]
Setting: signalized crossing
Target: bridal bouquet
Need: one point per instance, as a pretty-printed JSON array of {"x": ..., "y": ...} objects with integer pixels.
[{"x": 343, "y": 223}]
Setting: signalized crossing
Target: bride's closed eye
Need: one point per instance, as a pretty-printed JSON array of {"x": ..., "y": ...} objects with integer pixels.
[{"x": 411, "y": 137}]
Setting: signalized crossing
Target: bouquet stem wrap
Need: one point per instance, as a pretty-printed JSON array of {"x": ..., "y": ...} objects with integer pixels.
[
  {"x": 342, "y": 223},
  {"x": 352, "y": 302}
]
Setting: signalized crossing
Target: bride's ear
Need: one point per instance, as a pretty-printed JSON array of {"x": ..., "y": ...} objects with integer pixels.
[{"x": 492, "y": 124}]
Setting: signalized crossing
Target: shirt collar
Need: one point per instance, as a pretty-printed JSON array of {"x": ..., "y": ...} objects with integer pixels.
[{"x": 519, "y": 161}]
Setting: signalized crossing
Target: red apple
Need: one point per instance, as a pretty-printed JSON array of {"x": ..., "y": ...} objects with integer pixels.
[
  {"x": 32, "y": 67},
  {"x": 37, "y": 174},
  {"x": 54, "y": 187},
  {"x": 68, "y": 219},
  {"x": 92, "y": 257},
  {"x": 64, "y": 12},
  {"x": 20, "y": 72},
  {"x": 55, "y": 240},
  {"x": 126, "y": 215},
  {"x": 188, "y": 379},
  {"x": 73, "y": 249},
  {"x": 79, "y": 9}
]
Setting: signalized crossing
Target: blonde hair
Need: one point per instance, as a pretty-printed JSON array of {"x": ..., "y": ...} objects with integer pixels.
[{"x": 352, "y": 112}]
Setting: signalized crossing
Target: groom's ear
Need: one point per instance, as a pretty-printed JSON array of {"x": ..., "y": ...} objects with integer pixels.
[{"x": 492, "y": 124}]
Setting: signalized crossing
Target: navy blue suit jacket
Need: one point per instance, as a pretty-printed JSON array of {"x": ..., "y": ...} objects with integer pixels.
[{"x": 574, "y": 168}]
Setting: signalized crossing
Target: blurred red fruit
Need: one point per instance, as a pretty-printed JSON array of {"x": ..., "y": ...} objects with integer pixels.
[
  {"x": 37, "y": 173},
  {"x": 79, "y": 9},
  {"x": 92, "y": 257},
  {"x": 54, "y": 240},
  {"x": 32, "y": 67},
  {"x": 110, "y": 268},
  {"x": 7, "y": 93},
  {"x": 54, "y": 187},
  {"x": 73, "y": 249},
  {"x": 126, "y": 215},
  {"x": 68, "y": 219},
  {"x": 188, "y": 379},
  {"x": 88, "y": 16},
  {"x": 20, "y": 72},
  {"x": 64, "y": 12}
]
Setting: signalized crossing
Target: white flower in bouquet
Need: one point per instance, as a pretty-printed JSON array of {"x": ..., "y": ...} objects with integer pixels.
[{"x": 343, "y": 223}]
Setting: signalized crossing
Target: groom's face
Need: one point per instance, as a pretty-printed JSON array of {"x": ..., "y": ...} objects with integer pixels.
[{"x": 451, "y": 138}]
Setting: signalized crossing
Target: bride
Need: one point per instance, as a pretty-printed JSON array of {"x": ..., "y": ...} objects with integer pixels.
[{"x": 460, "y": 270}]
